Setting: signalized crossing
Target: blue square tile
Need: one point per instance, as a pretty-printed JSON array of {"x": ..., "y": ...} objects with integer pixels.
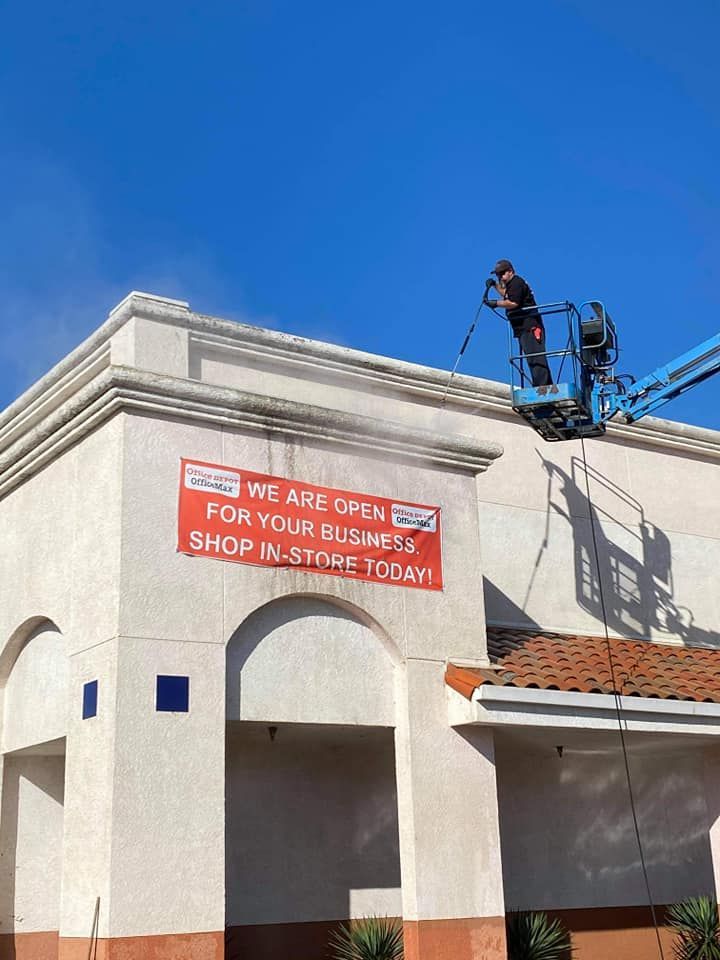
[
  {"x": 90, "y": 697},
  {"x": 173, "y": 694}
]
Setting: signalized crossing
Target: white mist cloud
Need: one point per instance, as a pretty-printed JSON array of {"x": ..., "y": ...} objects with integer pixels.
[{"x": 59, "y": 277}]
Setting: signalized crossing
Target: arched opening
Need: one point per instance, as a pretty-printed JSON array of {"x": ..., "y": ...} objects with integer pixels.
[
  {"x": 311, "y": 799},
  {"x": 34, "y": 681}
]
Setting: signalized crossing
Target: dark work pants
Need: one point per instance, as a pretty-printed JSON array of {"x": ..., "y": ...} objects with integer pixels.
[{"x": 538, "y": 365}]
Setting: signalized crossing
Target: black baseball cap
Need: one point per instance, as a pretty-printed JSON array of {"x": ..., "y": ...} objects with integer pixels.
[{"x": 501, "y": 266}]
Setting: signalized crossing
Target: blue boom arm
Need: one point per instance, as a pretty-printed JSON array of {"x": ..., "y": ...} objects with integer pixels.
[{"x": 668, "y": 382}]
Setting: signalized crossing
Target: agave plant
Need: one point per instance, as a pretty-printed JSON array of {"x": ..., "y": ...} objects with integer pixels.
[
  {"x": 533, "y": 936},
  {"x": 695, "y": 921},
  {"x": 373, "y": 938}
]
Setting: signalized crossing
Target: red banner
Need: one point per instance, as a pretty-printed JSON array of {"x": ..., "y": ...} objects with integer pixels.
[{"x": 245, "y": 517}]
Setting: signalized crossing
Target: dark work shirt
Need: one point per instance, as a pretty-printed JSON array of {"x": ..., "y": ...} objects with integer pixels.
[{"x": 520, "y": 293}]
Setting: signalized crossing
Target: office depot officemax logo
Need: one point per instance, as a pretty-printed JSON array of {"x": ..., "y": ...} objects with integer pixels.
[
  {"x": 212, "y": 480},
  {"x": 414, "y": 518}
]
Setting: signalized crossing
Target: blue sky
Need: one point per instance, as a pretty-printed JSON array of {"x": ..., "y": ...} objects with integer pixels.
[{"x": 351, "y": 171}]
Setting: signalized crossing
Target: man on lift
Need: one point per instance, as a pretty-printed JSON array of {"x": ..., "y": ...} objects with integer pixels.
[{"x": 518, "y": 302}]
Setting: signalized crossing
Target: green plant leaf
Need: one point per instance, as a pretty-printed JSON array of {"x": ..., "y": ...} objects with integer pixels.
[
  {"x": 697, "y": 927},
  {"x": 372, "y": 938},
  {"x": 533, "y": 936}
]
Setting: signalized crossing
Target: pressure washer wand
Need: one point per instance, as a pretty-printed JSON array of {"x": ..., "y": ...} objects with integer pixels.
[{"x": 471, "y": 329}]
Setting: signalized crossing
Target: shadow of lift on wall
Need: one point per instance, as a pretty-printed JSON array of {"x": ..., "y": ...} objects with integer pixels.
[{"x": 637, "y": 579}]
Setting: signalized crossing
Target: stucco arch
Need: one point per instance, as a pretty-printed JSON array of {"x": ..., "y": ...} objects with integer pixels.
[
  {"x": 34, "y": 676},
  {"x": 310, "y": 658}
]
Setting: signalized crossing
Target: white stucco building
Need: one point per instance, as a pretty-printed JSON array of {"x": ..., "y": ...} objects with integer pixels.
[{"x": 205, "y": 758}]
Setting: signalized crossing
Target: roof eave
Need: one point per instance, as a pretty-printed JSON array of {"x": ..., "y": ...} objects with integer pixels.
[{"x": 503, "y": 706}]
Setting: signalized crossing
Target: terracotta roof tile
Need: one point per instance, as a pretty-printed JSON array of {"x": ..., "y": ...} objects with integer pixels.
[{"x": 554, "y": 661}]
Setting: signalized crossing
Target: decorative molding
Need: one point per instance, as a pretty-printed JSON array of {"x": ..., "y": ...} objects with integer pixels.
[
  {"x": 95, "y": 348},
  {"x": 321, "y": 360},
  {"x": 427, "y": 384},
  {"x": 118, "y": 388}
]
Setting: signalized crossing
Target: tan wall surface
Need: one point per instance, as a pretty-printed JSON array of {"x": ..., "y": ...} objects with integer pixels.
[
  {"x": 657, "y": 518},
  {"x": 31, "y": 828},
  {"x": 567, "y": 837},
  {"x": 311, "y": 825},
  {"x": 35, "y": 700},
  {"x": 60, "y": 555},
  {"x": 346, "y": 671},
  {"x": 165, "y": 594}
]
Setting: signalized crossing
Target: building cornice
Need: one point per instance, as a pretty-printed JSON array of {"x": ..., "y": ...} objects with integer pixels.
[
  {"x": 89, "y": 356},
  {"x": 116, "y": 388},
  {"x": 323, "y": 361}
]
